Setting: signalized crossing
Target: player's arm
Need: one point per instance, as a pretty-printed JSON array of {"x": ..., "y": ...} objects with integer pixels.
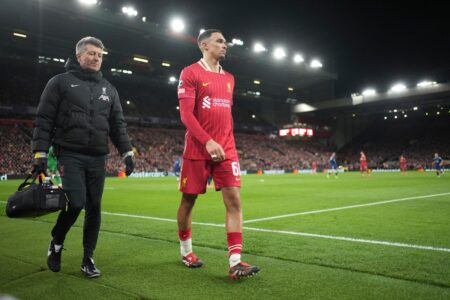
[{"x": 186, "y": 96}]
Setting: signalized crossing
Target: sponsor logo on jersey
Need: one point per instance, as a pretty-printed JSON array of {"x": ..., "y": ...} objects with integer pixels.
[
  {"x": 207, "y": 102},
  {"x": 229, "y": 87},
  {"x": 104, "y": 98},
  {"x": 206, "y": 83}
]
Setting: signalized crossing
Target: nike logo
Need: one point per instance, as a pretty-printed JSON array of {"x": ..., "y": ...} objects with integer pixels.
[
  {"x": 206, "y": 83},
  {"x": 237, "y": 179},
  {"x": 74, "y": 85}
]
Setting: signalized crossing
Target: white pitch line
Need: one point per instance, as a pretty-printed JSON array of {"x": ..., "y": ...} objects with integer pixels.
[
  {"x": 331, "y": 237},
  {"x": 158, "y": 219},
  {"x": 349, "y": 239},
  {"x": 343, "y": 207}
]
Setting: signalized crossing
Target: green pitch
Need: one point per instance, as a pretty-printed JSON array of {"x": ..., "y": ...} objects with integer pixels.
[{"x": 382, "y": 237}]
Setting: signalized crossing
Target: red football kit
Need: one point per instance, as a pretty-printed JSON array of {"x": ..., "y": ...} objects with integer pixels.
[
  {"x": 403, "y": 163},
  {"x": 206, "y": 99},
  {"x": 363, "y": 162}
]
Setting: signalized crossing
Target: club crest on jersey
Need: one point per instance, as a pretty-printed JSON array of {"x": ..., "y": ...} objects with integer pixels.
[{"x": 103, "y": 96}]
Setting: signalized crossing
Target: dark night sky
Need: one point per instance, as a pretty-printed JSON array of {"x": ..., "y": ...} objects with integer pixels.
[{"x": 366, "y": 43}]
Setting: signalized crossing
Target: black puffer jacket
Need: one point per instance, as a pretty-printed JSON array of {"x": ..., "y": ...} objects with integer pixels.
[{"x": 77, "y": 111}]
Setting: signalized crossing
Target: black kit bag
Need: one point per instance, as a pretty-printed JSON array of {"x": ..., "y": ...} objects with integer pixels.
[{"x": 36, "y": 199}]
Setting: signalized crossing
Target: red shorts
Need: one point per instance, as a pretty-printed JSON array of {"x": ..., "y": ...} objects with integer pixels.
[
  {"x": 363, "y": 165},
  {"x": 195, "y": 173},
  {"x": 402, "y": 166}
]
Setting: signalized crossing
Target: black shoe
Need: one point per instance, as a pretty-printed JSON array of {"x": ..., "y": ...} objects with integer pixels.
[
  {"x": 89, "y": 269},
  {"x": 241, "y": 270},
  {"x": 54, "y": 257}
]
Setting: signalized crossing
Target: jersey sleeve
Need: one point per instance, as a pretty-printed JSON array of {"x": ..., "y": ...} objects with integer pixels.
[
  {"x": 186, "y": 97},
  {"x": 187, "y": 84}
]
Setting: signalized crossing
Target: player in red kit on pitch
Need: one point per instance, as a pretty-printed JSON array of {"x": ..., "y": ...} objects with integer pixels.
[
  {"x": 402, "y": 162},
  {"x": 314, "y": 166},
  {"x": 363, "y": 164},
  {"x": 205, "y": 93}
]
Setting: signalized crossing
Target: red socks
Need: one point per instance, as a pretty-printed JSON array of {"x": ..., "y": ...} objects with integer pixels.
[
  {"x": 234, "y": 243},
  {"x": 184, "y": 234}
]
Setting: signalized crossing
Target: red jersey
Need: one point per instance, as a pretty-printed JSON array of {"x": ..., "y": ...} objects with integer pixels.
[
  {"x": 362, "y": 159},
  {"x": 206, "y": 99},
  {"x": 403, "y": 161}
]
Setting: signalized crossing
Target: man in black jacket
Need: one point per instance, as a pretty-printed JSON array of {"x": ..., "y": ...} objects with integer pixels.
[{"x": 77, "y": 112}]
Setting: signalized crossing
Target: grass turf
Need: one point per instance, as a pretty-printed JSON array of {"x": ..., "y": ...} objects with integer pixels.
[{"x": 139, "y": 257}]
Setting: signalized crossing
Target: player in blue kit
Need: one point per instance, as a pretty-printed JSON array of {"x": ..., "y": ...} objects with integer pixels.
[
  {"x": 438, "y": 162},
  {"x": 333, "y": 166},
  {"x": 177, "y": 168}
]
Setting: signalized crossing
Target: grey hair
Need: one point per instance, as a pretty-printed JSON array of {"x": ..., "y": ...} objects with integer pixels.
[{"x": 88, "y": 40}]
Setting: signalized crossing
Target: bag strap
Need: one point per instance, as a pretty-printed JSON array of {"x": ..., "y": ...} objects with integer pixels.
[
  {"x": 33, "y": 176},
  {"x": 25, "y": 182}
]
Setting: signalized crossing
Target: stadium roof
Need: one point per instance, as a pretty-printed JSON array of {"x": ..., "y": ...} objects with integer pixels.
[{"x": 53, "y": 27}]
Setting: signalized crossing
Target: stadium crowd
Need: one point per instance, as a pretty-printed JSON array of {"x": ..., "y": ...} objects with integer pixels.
[{"x": 156, "y": 150}]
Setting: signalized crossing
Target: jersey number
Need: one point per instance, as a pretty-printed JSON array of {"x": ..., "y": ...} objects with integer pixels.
[{"x": 236, "y": 169}]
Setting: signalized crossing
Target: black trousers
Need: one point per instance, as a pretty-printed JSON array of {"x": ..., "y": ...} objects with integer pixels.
[{"x": 83, "y": 178}]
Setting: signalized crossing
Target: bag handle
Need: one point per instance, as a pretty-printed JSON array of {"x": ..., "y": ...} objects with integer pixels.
[{"x": 33, "y": 176}]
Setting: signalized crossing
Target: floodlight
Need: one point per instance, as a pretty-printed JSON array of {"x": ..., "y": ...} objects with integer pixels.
[
  {"x": 88, "y": 2},
  {"x": 398, "y": 88},
  {"x": 258, "y": 47},
  {"x": 426, "y": 83},
  {"x": 172, "y": 79},
  {"x": 129, "y": 11},
  {"x": 315, "y": 63},
  {"x": 279, "y": 53},
  {"x": 256, "y": 81},
  {"x": 202, "y": 30},
  {"x": 298, "y": 58},
  {"x": 21, "y": 35},
  {"x": 177, "y": 25},
  {"x": 140, "y": 59},
  {"x": 369, "y": 92},
  {"x": 237, "y": 42}
]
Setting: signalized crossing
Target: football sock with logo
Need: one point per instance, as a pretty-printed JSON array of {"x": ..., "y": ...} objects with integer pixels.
[
  {"x": 234, "y": 240},
  {"x": 185, "y": 241}
]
